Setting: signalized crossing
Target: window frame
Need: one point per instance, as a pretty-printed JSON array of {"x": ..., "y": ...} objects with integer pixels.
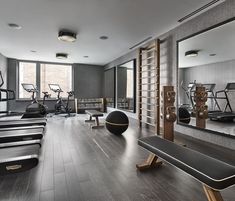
[{"x": 38, "y": 75}]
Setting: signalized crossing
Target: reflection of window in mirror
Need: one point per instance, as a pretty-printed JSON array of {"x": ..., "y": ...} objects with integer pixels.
[
  {"x": 126, "y": 86},
  {"x": 129, "y": 90}
]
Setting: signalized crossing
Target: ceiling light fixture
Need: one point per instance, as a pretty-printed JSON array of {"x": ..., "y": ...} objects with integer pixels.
[
  {"x": 85, "y": 56},
  {"x": 104, "y": 37},
  {"x": 212, "y": 55},
  {"x": 14, "y": 26},
  {"x": 33, "y": 51},
  {"x": 61, "y": 55},
  {"x": 67, "y": 36},
  {"x": 191, "y": 53}
]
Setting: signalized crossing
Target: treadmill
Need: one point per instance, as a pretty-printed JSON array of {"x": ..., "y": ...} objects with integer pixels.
[
  {"x": 19, "y": 158},
  {"x": 7, "y": 136},
  {"x": 227, "y": 115},
  {"x": 211, "y": 95},
  {"x": 22, "y": 122}
]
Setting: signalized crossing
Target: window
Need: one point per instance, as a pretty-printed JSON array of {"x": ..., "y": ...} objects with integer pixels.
[
  {"x": 27, "y": 74},
  {"x": 56, "y": 74}
]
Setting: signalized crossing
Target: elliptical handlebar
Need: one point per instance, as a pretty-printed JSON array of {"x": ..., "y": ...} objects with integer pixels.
[
  {"x": 2, "y": 81},
  {"x": 70, "y": 93}
]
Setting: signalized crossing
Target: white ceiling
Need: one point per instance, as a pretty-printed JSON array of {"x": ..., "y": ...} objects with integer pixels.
[
  {"x": 125, "y": 22},
  {"x": 219, "y": 41}
]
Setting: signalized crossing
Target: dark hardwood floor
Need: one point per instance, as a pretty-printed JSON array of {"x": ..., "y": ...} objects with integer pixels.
[{"x": 80, "y": 164}]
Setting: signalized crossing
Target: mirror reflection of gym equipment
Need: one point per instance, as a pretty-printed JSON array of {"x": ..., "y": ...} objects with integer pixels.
[{"x": 203, "y": 63}]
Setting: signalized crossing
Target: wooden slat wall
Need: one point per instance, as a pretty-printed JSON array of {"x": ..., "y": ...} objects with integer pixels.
[{"x": 149, "y": 85}]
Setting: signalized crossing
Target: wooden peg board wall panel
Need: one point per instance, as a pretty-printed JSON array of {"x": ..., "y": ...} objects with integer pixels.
[{"x": 149, "y": 86}]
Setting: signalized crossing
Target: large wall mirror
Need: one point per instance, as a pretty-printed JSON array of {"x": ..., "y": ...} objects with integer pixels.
[
  {"x": 126, "y": 86},
  {"x": 109, "y": 86},
  {"x": 208, "y": 59}
]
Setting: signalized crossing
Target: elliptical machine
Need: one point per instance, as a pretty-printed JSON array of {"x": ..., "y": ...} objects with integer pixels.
[
  {"x": 35, "y": 109},
  {"x": 60, "y": 106}
]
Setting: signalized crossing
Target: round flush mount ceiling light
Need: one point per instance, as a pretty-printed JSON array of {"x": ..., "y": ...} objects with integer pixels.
[
  {"x": 191, "y": 53},
  {"x": 61, "y": 55},
  {"x": 67, "y": 36},
  {"x": 14, "y": 26},
  {"x": 104, "y": 37},
  {"x": 212, "y": 55}
]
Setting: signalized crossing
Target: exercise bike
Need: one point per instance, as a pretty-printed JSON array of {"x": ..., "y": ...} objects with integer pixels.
[
  {"x": 60, "y": 106},
  {"x": 35, "y": 109}
]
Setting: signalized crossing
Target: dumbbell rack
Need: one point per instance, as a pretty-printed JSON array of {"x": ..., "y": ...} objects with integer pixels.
[
  {"x": 149, "y": 86},
  {"x": 168, "y": 112}
]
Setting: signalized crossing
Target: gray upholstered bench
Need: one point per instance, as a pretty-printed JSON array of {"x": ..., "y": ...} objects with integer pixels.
[
  {"x": 96, "y": 114},
  {"x": 214, "y": 174}
]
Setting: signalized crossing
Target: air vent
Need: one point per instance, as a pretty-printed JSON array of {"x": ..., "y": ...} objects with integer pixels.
[
  {"x": 201, "y": 10},
  {"x": 140, "y": 43}
]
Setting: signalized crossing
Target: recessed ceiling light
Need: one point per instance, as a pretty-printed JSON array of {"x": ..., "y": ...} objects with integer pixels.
[
  {"x": 191, "y": 53},
  {"x": 67, "y": 36},
  {"x": 104, "y": 37},
  {"x": 85, "y": 56},
  {"x": 212, "y": 55},
  {"x": 61, "y": 55},
  {"x": 14, "y": 26}
]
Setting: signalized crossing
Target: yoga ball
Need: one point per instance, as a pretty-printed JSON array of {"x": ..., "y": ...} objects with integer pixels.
[
  {"x": 117, "y": 122},
  {"x": 184, "y": 115}
]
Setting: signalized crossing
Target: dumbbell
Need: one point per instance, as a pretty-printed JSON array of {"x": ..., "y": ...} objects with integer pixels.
[
  {"x": 202, "y": 112},
  {"x": 170, "y": 114}
]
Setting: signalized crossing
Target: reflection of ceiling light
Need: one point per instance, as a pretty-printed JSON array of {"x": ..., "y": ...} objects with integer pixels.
[
  {"x": 212, "y": 55},
  {"x": 61, "y": 55},
  {"x": 191, "y": 53},
  {"x": 104, "y": 37},
  {"x": 67, "y": 36},
  {"x": 14, "y": 26},
  {"x": 85, "y": 56}
]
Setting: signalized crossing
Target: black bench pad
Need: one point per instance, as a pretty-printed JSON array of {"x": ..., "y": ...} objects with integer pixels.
[
  {"x": 212, "y": 172},
  {"x": 94, "y": 113}
]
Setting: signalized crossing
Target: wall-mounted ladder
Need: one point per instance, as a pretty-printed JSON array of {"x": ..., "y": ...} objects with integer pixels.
[{"x": 149, "y": 86}]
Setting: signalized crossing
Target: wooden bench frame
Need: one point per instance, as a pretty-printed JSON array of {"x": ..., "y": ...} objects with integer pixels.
[{"x": 96, "y": 114}]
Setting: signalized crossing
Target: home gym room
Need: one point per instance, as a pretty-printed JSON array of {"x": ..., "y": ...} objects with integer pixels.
[{"x": 117, "y": 100}]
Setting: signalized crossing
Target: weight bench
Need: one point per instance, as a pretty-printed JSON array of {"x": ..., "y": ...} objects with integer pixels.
[
  {"x": 96, "y": 114},
  {"x": 215, "y": 175}
]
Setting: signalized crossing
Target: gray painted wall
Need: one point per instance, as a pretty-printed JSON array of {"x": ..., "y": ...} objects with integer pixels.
[
  {"x": 88, "y": 81},
  {"x": 3, "y": 68},
  {"x": 109, "y": 84}
]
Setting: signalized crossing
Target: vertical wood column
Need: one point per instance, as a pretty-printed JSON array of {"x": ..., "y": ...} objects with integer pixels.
[
  {"x": 168, "y": 112},
  {"x": 157, "y": 87},
  {"x": 139, "y": 87}
]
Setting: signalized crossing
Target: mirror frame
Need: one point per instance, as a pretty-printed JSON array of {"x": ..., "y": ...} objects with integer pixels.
[
  {"x": 134, "y": 85},
  {"x": 177, "y": 76},
  {"x": 114, "y": 89}
]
